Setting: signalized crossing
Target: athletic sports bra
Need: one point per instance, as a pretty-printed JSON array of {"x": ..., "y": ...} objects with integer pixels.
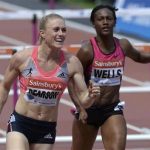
[
  {"x": 40, "y": 87},
  {"x": 107, "y": 69}
]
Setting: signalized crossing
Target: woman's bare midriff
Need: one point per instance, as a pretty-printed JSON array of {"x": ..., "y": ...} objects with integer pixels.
[
  {"x": 109, "y": 95},
  {"x": 36, "y": 111}
]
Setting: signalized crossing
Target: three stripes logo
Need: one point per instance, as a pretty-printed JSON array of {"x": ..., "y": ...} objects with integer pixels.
[
  {"x": 62, "y": 75},
  {"x": 48, "y": 136}
]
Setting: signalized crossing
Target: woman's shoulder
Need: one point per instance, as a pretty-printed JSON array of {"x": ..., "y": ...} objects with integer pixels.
[
  {"x": 69, "y": 56},
  {"x": 86, "y": 45},
  {"x": 125, "y": 44},
  {"x": 123, "y": 41},
  {"x": 21, "y": 56}
]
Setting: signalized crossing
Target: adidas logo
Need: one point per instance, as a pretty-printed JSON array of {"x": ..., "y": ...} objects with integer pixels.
[
  {"x": 12, "y": 118},
  {"x": 120, "y": 106},
  {"x": 62, "y": 75},
  {"x": 48, "y": 136}
]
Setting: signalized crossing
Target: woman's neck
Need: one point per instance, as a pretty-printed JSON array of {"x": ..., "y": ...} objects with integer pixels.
[
  {"x": 47, "y": 53},
  {"x": 106, "y": 44}
]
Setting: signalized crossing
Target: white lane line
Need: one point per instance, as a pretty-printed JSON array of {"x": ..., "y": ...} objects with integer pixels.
[
  {"x": 134, "y": 81},
  {"x": 137, "y": 129},
  {"x": 66, "y": 102},
  {"x": 1, "y": 77},
  {"x": 12, "y": 40},
  {"x": 2, "y": 132}
]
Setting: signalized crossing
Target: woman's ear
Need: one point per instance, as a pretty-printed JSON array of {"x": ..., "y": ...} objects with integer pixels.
[{"x": 42, "y": 33}]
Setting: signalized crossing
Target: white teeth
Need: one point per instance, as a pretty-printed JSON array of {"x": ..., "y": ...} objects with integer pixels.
[{"x": 59, "y": 40}]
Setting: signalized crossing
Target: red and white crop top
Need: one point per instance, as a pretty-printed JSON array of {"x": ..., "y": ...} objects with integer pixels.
[{"x": 41, "y": 87}]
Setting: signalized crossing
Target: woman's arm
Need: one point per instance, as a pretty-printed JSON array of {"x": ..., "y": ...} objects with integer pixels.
[
  {"x": 79, "y": 108},
  {"x": 134, "y": 54},
  {"x": 11, "y": 74},
  {"x": 86, "y": 96}
]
